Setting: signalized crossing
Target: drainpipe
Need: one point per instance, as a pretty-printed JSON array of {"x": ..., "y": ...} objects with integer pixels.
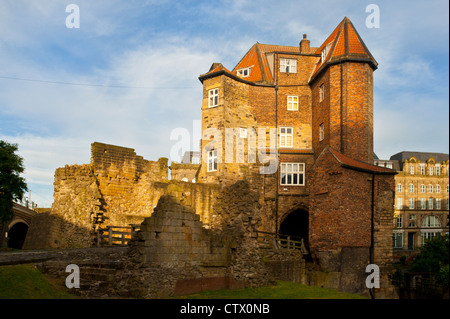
[
  {"x": 276, "y": 144},
  {"x": 372, "y": 226}
]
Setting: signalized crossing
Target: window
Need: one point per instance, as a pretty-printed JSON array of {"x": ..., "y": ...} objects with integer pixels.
[
  {"x": 423, "y": 203},
  {"x": 292, "y": 174},
  {"x": 292, "y": 103},
  {"x": 411, "y": 169},
  {"x": 213, "y": 97},
  {"x": 438, "y": 203},
  {"x": 212, "y": 161},
  {"x": 398, "y": 222},
  {"x": 321, "y": 93},
  {"x": 438, "y": 169},
  {"x": 389, "y": 165},
  {"x": 195, "y": 160},
  {"x": 430, "y": 188},
  {"x": 428, "y": 235},
  {"x": 422, "y": 169},
  {"x": 422, "y": 188},
  {"x": 242, "y": 132},
  {"x": 245, "y": 72},
  {"x": 412, "y": 221},
  {"x": 286, "y": 136},
  {"x": 438, "y": 188},
  {"x": 431, "y": 221},
  {"x": 411, "y": 188},
  {"x": 322, "y": 132},
  {"x": 399, "y": 188},
  {"x": 411, "y": 203},
  {"x": 184, "y": 179},
  {"x": 430, "y": 203},
  {"x": 430, "y": 170},
  {"x": 288, "y": 65},
  {"x": 398, "y": 240},
  {"x": 399, "y": 203}
]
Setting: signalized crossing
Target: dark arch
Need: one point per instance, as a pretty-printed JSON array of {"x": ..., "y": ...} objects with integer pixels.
[
  {"x": 16, "y": 235},
  {"x": 296, "y": 224}
]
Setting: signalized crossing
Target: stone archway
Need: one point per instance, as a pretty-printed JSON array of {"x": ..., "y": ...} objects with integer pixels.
[
  {"x": 296, "y": 224},
  {"x": 17, "y": 234}
]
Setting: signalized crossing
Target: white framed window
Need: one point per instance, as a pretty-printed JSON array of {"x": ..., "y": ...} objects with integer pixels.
[
  {"x": 288, "y": 65},
  {"x": 398, "y": 222},
  {"x": 430, "y": 188},
  {"x": 430, "y": 170},
  {"x": 422, "y": 169},
  {"x": 427, "y": 235},
  {"x": 438, "y": 203},
  {"x": 212, "y": 161},
  {"x": 411, "y": 203},
  {"x": 398, "y": 239},
  {"x": 423, "y": 203},
  {"x": 447, "y": 189},
  {"x": 195, "y": 160},
  {"x": 292, "y": 103},
  {"x": 292, "y": 174},
  {"x": 321, "y": 132},
  {"x": 438, "y": 188},
  {"x": 243, "y": 132},
  {"x": 412, "y": 220},
  {"x": 389, "y": 165},
  {"x": 431, "y": 221},
  {"x": 399, "y": 188},
  {"x": 213, "y": 97},
  {"x": 244, "y": 72},
  {"x": 286, "y": 136},
  {"x": 438, "y": 169},
  {"x": 411, "y": 169},
  {"x": 422, "y": 188},
  {"x": 411, "y": 188},
  {"x": 430, "y": 203},
  {"x": 321, "y": 93},
  {"x": 399, "y": 203}
]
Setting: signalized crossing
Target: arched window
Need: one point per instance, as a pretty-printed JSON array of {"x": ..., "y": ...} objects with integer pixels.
[
  {"x": 184, "y": 179},
  {"x": 431, "y": 221}
]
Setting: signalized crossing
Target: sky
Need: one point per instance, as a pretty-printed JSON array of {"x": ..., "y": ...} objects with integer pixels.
[{"x": 128, "y": 73}]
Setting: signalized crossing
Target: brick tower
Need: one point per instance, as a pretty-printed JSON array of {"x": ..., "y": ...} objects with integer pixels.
[{"x": 342, "y": 90}]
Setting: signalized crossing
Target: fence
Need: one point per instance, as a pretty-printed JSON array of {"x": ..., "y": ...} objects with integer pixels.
[
  {"x": 116, "y": 235},
  {"x": 275, "y": 241}
]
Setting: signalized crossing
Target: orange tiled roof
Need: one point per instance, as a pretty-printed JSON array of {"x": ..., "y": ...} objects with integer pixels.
[
  {"x": 355, "y": 164},
  {"x": 345, "y": 43}
]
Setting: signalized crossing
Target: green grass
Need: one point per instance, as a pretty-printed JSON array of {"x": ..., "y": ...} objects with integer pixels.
[
  {"x": 283, "y": 290},
  {"x": 27, "y": 282}
]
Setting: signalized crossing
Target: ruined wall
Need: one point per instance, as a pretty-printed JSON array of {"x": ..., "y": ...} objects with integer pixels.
[{"x": 117, "y": 188}]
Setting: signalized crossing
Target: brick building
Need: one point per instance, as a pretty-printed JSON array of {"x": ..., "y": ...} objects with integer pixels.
[
  {"x": 305, "y": 115},
  {"x": 421, "y": 197}
]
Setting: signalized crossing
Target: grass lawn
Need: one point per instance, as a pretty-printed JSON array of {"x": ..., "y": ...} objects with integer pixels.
[
  {"x": 27, "y": 282},
  {"x": 283, "y": 290}
]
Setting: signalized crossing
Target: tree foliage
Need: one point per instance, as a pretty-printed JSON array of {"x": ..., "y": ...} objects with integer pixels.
[
  {"x": 434, "y": 258},
  {"x": 12, "y": 185}
]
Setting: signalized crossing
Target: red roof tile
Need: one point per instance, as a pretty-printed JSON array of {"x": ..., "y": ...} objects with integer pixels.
[
  {"x": 345, "y": 44},
  {"x": 358, "y": 165}
]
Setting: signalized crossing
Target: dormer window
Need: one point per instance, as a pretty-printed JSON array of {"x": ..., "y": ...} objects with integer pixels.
[
  {"x": 325, "y": 51},
  {"x": 288, "y": 65},
  {"x": 244, "y": 72}
]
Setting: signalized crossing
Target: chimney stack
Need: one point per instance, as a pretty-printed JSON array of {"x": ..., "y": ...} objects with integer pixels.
[{"x": 304, "y": 45}]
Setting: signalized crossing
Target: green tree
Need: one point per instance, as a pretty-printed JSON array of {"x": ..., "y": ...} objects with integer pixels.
[
  {"x": 12, "y": 186},
  {"x": 433, "y": 257}
]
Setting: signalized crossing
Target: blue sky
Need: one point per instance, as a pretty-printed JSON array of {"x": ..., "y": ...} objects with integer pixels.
[{"x": 134, "y": 66}]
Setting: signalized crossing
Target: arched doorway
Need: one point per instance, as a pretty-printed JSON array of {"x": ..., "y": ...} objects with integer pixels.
[
  {"x": 296, "y": 224},
  {"x": 16, "y": 235}
]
